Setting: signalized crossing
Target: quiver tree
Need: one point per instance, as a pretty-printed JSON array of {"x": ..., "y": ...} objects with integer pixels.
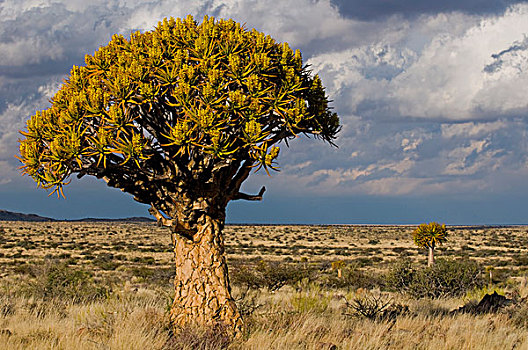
[
  {"x": 338, "y": 265},
  {"x": 430, "y": 236},
  {"x": 179, "y": 117}
]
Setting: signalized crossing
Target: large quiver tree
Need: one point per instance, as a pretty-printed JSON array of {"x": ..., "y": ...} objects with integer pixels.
[{"x": 178, "y": 117}]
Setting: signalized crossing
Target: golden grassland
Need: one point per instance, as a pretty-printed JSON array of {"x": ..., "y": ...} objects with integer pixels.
[
  {"x": 145, "y": 244},
  {"x": 130, "y": 270}
]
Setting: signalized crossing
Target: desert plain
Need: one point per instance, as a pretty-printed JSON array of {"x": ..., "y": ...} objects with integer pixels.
[{"x": 108, "y": 285}]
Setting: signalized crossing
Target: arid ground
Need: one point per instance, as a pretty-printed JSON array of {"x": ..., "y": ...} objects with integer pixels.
[{"x": 106, "y": 285}]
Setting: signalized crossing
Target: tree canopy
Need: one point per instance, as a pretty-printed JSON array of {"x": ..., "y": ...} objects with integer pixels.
[
  {"x": 430, "y": 235},
  {"x": 185, "y": 106}
]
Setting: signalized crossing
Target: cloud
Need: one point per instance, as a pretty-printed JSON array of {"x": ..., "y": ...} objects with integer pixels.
[
  {"x": 378, "y": 9},
  {"x": 471, "y": 129},
  {"x": 407, "y": 158},
  {"x": 467, "y": 160},
  {"x": 469, "y": 70},
  {"x": 8, "y": 141},
  {"x": 12, "y": 119},
  {"x": 432, "y": 102},
  {"x": 7, "y": 173},
  {"x": 297, "y": 21}
]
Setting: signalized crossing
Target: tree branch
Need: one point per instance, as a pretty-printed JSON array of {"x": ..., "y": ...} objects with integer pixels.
[
  {"x": 162, "y": 220},
  {"x": 247, "y": 197},
  {"x": 241, "y": 175},
  {"x": 174, "y": 225}
]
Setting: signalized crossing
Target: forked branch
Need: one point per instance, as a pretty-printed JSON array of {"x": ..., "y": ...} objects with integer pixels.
[{"x": 175, "y": 226}]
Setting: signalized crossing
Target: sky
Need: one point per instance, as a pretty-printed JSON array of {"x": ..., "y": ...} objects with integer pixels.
[{"x": 431, "y": 94}]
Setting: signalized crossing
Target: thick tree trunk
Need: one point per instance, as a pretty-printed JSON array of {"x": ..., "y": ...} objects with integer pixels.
[
  {"x": 430, "y": 261},
  {"x": 203, "y": 295}
]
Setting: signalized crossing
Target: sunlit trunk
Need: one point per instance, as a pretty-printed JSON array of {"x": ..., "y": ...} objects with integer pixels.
[
  {"x": 203, "y": 295},
  {"x": 431, "y": 261}
]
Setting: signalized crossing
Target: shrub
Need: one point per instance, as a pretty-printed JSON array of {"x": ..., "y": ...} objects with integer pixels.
[
  {"x": 105, "y": 261},
  {"x": 400, "y": 276},
  {"x": 57, "y": 280},
  {"x": 247, "y": 301},
  {"x": 245, "y": 277},
  {"x": 269, "y": 275},
  {"x": 351, "y": 277},
  {"x": 520, "y": 260},
  {"x": 373, "y": 307},
  {"x": 2, "y": 235},
  {"x": 23, "y": 269},
  {"x": 447, "y": 278},
  {"x": 157, "y": 276},
  {"x": 370, "y": 260},
  {"x": 148, "y": 260}
]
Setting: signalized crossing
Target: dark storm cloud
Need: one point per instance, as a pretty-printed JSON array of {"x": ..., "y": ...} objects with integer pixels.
[{"x": 378, "y": 9}]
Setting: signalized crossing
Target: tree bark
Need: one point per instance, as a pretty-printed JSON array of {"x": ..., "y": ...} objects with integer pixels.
[
  {"x": 202, "y": 291},
  {"x": 430, "y": 261}
]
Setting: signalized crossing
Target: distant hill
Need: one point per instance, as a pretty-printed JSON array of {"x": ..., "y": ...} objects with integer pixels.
[
  {"x": 12, "y": 216},
  {"x": 131, "y": 219}
]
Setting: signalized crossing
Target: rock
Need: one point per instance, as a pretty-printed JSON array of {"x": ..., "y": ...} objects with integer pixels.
[
  {"x": 489, "y": 303},
  {"x": 492, "y": 303}
]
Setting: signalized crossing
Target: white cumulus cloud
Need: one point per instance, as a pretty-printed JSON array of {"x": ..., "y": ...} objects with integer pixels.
[{"x": 446, "y": 76}]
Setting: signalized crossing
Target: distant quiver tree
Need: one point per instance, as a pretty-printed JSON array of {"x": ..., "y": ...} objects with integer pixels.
[
  {"x": 430, "y": 236},
  {"x": 179, "y": 117}
]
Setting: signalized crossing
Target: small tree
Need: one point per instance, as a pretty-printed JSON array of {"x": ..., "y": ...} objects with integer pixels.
[
  {"x": 338, "y": 265},
  {"x": 489, "y": 270},
  {"x": 429, "y": 236},
  {"x": 179, "y": 117}
]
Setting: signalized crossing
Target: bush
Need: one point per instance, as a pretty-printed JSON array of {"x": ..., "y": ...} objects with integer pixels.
[
  {"x": 157, "y": 276},
  {"x": 269, "y": 275},
  {"x": 105, "y": 261},
  {"x": 352, "y": 277},
  {"x": 447, "y": 278},
  {"x": 58, "y": 280},
  {"x": 247, "y": 301},
  {"x": 373, "y": 307}
]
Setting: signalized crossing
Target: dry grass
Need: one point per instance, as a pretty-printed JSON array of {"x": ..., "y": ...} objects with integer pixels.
[
  {"x": 135, "y": 260},
  {"x": 134, "y": 322},
  {"x": 419, "y": 332},
  {"x": 137, "y": 320}
]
